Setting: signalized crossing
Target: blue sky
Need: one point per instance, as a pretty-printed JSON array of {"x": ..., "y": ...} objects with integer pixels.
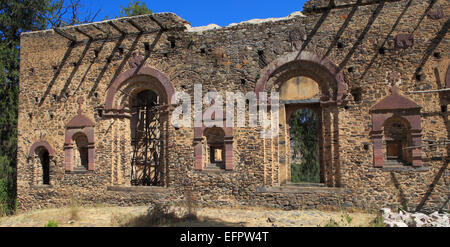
[{"x": 203, "y": 12}]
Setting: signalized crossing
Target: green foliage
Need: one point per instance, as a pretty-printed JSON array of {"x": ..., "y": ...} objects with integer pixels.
[
  {"x": 16, "y": 16},
  {"x": 135, "y": 7},
  {"x": 346, "y": 217},
  {"x": 304, "y": 135},
  {"x": 51, "y": 223},
  {"x": 378, "y": 222},
  {"x": 332, "y": 223},
  {"x": 3, "y": 197}
]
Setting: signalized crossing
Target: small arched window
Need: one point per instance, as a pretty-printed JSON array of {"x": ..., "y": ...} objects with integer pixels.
[
  {"x": 396, "y": 131},
  {"x": 79, "y": 148},
  {"x": 41, "y": 154},
  {"x": 213, "y": 148},
  {"x": 81, "y": 154},
  {"x": 44, "y": 159},
  {"x": 215, "y": 145},
  {"x": 398, "y": 141}
]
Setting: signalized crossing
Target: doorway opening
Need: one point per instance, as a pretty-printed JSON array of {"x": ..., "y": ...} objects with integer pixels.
[
  {"x": 146, "y": 167},
  {"x": 304, "y": 141}
]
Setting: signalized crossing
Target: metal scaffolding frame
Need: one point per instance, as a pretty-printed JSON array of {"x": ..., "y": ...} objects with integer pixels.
[{"x": 146, "y": 165}]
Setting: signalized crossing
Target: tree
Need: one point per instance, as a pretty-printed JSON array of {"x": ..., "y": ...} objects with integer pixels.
[
  {"x": 17, "y": 16},
  {"x": 304, "y": 135},
  {"x": 61, "y": 13},
  {"x": 135, "y": 7}
]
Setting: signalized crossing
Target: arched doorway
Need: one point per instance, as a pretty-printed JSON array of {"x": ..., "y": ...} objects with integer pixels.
[
  {"x": 304, "y": 146},
  {"x": 300, "y": 97},
  {"x": 145, "y": 127},
  {"x": 140, "y": 97},
  {"x": 305, "y": 81}
]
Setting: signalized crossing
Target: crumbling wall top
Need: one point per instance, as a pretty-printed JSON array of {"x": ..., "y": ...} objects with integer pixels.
[
  {"x": 322, "y": 5},
  {"x": 124, "y": 25}
]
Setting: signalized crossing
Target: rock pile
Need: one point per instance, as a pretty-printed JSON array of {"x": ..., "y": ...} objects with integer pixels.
[{"x": 405, "y": 219}]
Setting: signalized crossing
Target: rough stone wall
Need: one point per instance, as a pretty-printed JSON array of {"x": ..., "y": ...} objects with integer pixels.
[{"x": 357, "y": 36}]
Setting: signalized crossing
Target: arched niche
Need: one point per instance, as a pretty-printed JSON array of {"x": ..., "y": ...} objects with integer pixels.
[
  {"x": 79, "y": 143},
  {"x": 41, "y": 155},
  {"x": 396, "y": 109}
]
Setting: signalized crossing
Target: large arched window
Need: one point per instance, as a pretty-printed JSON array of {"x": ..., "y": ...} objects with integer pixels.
[{"x": 150, "y": 90}]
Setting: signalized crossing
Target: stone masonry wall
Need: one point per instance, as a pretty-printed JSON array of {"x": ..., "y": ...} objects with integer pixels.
[{"x": 358, "y": 37}]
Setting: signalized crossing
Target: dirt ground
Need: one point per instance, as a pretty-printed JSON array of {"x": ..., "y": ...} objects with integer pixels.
[{"x": 248, "y": 217}]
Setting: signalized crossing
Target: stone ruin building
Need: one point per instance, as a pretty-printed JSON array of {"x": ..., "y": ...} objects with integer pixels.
[{"x": 96, "y": 101}]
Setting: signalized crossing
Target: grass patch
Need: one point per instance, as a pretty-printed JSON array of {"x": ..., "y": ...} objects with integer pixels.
[
  {"x": 332, "y": 223},
  {"x": 51, "y": 223},
  {"x": 159, "y": 215},
  {"x": 377, "y": 222}
]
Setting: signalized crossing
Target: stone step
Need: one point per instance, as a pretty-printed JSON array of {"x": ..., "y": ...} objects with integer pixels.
[
  {"x": 304, "y": 185},
  {"x": 213, "y": 166},
  {"x": 394, "y": 163}
]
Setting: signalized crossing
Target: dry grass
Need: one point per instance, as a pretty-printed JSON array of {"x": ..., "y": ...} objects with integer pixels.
[
  {"x": 166, "y": 216},
  {"x": 74, "y": 209},
  {"x": 180, "y": 216}
]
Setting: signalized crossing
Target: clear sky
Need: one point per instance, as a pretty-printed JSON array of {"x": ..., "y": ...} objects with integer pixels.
[{"x": 204, "y": 12}]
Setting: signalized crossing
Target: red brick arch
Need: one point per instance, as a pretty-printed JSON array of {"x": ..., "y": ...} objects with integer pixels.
[
  {"x": 322, "y": 70},
  {"x": 39, "y": 144},
  {"x": 79, "y": 124},
  {"x": 163, "y": 84}
]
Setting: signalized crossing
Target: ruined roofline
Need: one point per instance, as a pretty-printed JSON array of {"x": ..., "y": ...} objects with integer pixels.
[
  {"x": 102, "y": 22},
  {"x": 209, "y": 27},
  {"x": 186, "y": 25}
]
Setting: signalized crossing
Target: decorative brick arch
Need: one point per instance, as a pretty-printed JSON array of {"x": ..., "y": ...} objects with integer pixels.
[
  {"x": 396, "y": 106},
  {"x": 79, "y": 124},
  {"x": 147, "y": 77},
  {"x": 40, "y": 162},
  {"x": 198, "y": 147},
  {"x": 41, "y": 144},
  {"x": 322, "y": 70}
]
